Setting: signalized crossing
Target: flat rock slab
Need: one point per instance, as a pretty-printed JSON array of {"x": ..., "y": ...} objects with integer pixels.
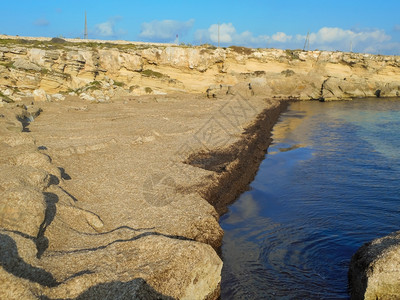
[{"x": 114, "y": 204}]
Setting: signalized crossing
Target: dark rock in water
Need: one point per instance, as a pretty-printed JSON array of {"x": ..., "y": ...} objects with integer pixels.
[{"x": 375, "y": 269}]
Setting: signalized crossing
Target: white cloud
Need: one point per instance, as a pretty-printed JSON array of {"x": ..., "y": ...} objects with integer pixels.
[
  {"x": 396, "y": 27},
  {"x": 326, "y": 38},
  {"x": 385, "y": 48},
  {"x": 226, "y": 33},
  {"x": 334, "y": 38},
  {"x": 164, "y": 31},
  {"x": 108, "y": 28},
  {"x": 105, "y": 29},
  {"x": 229, "y": 36},
  {"x": 281, "y": 37}
]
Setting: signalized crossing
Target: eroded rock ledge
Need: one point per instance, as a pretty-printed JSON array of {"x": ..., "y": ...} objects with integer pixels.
[{"x": 100, "y": 71}]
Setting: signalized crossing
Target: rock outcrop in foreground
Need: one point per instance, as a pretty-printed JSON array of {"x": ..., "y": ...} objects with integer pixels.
[
  {"x": 113, "y": 200},
  {"x": 375, "y": 269}
]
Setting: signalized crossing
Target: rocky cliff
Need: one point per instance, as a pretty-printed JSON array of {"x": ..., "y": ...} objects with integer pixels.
[{"x": 100, "y": 71}]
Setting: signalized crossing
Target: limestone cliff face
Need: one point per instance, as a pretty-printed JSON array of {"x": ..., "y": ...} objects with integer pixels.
[{"x": 104, "y": 70}]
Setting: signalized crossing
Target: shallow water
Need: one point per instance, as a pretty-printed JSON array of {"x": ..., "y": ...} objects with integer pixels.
[{"x": 329, "y": 183}]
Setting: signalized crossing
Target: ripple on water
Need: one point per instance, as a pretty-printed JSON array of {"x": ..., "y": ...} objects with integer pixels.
[{"x": 328, "y": 184}]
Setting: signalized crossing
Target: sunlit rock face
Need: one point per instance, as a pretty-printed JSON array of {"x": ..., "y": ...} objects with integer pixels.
[{"x": 138, "y": 69}]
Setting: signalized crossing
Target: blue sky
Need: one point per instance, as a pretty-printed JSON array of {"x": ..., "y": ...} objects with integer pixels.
[{"x": 366, "y": 26}]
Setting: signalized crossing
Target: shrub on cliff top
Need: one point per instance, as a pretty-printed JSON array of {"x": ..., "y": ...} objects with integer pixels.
[
  {"x": 292, "y": 54},
  {"x": 57, "y": 40},
  {"x": 241, "y": 50}
]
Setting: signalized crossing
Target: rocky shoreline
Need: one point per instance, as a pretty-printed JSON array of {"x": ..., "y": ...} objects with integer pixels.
[
  {"x": 68, "y": 231},
  {"x": 118, "y": 158}
]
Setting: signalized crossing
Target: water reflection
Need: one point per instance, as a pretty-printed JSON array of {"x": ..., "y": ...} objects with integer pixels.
[{"x": 329, "y": 184}]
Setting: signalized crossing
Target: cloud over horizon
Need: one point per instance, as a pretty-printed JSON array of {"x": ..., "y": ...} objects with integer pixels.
[
  {"x": 165, "y": 30},
  {"x": 108, "y": 28},
  {"x": 228, "y": 36},
  {"x": 326, "y": 38},
  {"x": 334, "y": 38}
]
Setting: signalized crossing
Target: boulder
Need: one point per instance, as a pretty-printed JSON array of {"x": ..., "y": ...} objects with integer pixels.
[
  {"x": 85, "y": 96},
  {"x": 58, "y": 97},
  {"x": 375, "y": 269},
  {"x": 40, "y": 95},
  {"x": 98, "y": 94},
  {"x": 7, "y": 92}
]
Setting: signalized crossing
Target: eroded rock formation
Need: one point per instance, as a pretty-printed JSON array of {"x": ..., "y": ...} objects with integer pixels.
[{"x": 100, "y": 71}]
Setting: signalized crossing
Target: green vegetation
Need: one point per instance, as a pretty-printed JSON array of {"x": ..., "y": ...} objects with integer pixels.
[
  {"x": 185, "y": 45},
  {"x": 208, "y": 46},
  {"x": 44, "y": 71},
  {"x": 288, "y": 72},
  {"x": 60, "y": 43},
  {"x": 292, "y": 54},
  {"x": 154, "y": 74},
  {"x": 91, "y": 86},
  {"x": 241, "y": 50},
  {"x": 7, "y": 64},
  {"x": 119, "y": 83},
  {"x": 58, "y": 40},
  {"x": 94, "y": 85},
  {"x": 6, "y": 98},
  {"x": 148, "y": 90}
]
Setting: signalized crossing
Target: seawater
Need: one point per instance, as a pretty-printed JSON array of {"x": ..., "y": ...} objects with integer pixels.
[{"x": 329, "y": 183}]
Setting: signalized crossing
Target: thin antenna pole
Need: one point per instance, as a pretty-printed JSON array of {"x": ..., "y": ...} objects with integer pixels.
[
  {"x": 307, "y": 42},
  {"x": 86, "y": 32},
  {"x": 218, "y": 35}
]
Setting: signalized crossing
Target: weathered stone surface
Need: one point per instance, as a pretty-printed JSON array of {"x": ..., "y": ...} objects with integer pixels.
[
  {"x": 291, "y": 74},
  {"x": 58, "y": 97},
  {"x": 22, "y": 209},
  {"x": 40, "y": 95},
  {"x": 83, "y": 233},
  {"x": 24, "y": 64},
  {"x": 375, "y": 269},
  {"x": 346, "y": 88},
  {"x": 87, "y": 97}
]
